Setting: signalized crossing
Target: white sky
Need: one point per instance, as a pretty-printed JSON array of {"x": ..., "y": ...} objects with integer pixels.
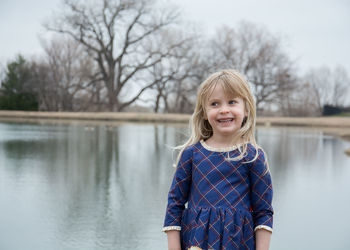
[{"x": 315, "y": 33}]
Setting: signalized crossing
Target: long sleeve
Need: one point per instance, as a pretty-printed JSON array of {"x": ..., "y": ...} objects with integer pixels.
[
  {"x": 179, "y": 192},
  {"x": 261, "y": 193}
]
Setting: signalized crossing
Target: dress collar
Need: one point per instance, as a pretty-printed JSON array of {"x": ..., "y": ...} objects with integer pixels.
[{"x": 226, "y": 149}]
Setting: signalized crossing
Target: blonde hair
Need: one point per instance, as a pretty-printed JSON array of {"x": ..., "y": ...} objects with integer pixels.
[{"x": 233, "y": 84}]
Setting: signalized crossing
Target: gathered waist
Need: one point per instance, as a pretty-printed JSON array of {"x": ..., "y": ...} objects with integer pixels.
[{"x": 221, "y": 209}]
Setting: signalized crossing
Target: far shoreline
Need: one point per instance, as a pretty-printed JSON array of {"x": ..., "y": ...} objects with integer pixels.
[{"x": 338, "y": 126}]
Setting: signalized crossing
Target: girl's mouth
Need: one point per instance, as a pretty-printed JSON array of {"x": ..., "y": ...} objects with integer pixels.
[{"x": 226, "y": 120}]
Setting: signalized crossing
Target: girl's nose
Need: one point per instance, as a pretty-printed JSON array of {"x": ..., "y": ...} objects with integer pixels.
[{"x": 223, "y": 110}]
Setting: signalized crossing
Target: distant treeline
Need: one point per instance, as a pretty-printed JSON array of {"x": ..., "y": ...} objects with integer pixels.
[
  {"x": 142, "y": 55},
  {"x": 329, "y": 110}
]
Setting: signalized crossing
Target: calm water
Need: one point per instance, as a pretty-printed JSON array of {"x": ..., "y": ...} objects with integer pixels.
[{"x": 105, "y": 187}]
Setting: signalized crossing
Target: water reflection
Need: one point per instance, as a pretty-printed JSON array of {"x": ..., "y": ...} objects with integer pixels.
[
  {"x": 310, "y": 173},
  {"x": 105, "y": 186}
]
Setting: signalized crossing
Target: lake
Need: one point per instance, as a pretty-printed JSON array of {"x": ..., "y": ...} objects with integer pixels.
[{"x": 104, "y": 186}]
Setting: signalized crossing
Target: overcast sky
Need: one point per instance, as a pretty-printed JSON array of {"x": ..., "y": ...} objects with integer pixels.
[{"x": 315, "y": 33}]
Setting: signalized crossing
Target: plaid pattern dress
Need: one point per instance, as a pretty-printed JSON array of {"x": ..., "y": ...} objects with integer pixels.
[{"x": 226, "y": 200}]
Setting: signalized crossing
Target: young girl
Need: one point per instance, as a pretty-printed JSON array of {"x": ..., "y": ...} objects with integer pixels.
[{"x": 222, "y": 174}]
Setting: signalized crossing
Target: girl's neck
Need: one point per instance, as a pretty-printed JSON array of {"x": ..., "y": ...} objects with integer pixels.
[{"x": 223, "y": 142}]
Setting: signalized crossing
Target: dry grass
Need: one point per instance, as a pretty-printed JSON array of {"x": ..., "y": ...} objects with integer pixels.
[
  {"x": 101, "y": 116},
  {"x": 339, "y": 126},
  {"x": 153, "y": 117},
  {"x": 337, "y": 122}
]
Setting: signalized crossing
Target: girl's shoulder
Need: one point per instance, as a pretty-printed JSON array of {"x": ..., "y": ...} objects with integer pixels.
[
  {"x": 251, "y": 148},
  {"x": 188, "y": 150},
  {"x": 254, "y": 152},
  {"x": 191, "y": 149}
]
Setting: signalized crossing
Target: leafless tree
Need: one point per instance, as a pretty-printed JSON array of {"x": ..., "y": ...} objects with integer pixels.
[
  {"x": 2, "y": 73},
  {"x": 174, "y": 77},
  {"x": 328, "y": 87},
  {"x": 319, "y": 79},
  {"x": 118, "y": 35},
  {"x": 43, "y": 86},
  {"x": 300, "y": 101},
  {"x": 62, "y": 74},
  {"x": 341, "y": 89},
  {"x": 259, "y": 56}
]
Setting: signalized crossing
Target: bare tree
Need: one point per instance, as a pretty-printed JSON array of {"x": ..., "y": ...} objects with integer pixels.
[
  {"x": 43, "y": 86},
  {"x": 341, "y": 89},
  {"x": 2, "y": 73},
  {"x": 63, "y": 73},
  {"x": 185, "y": 88},
  {"x": 174, "y": 76},
  {"x": 301, "y": 101},
  {"x": 319, "y": 79},
  {"x": 258, "y": 55},
  {"x": 328, "y": 87},
  {"x": 117, "y": 34}
]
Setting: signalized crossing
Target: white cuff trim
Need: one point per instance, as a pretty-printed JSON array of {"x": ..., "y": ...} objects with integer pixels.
[
  {"x": 263, "y": 227},
  {"x": 177, "y": 228}
]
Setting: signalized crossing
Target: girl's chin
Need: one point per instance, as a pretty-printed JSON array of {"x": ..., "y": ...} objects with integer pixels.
[
  {"x": 225, "y": 124},
  {"x": 228, "y": 131}
]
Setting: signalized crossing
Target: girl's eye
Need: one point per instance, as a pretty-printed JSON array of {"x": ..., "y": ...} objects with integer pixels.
[
  {"x": 232, "y": 102},
  {"x": 214, "y": 104}
]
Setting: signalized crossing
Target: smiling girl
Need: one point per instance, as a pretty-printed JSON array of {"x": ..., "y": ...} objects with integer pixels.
[{"x": 222, "y": 174}]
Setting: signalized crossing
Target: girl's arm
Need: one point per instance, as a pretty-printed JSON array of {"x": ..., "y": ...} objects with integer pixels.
[
  {"x": 177, "y": 197},
  {"x": 174, "y": 240},
  {"x": 262, "y": 239},
  {"x": 261, "y": 201}
]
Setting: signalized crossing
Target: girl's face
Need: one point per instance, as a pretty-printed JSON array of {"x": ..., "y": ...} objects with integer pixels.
[{"x": 224, "y": 113}]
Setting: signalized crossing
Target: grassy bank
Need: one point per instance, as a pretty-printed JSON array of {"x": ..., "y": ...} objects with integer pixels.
[
  {"x": 339, "y": 126},
  {"x": 98, "y": 116},
  {"x": 335, "y": 122}
]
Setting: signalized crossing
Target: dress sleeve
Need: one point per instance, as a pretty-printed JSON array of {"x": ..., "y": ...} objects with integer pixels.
[
  {"x": 261, "y": 193},
  {"x": 179, "y": 191}
]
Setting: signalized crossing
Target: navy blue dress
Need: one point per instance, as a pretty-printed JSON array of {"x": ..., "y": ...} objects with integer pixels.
[{"x": 226, "y": 200}]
